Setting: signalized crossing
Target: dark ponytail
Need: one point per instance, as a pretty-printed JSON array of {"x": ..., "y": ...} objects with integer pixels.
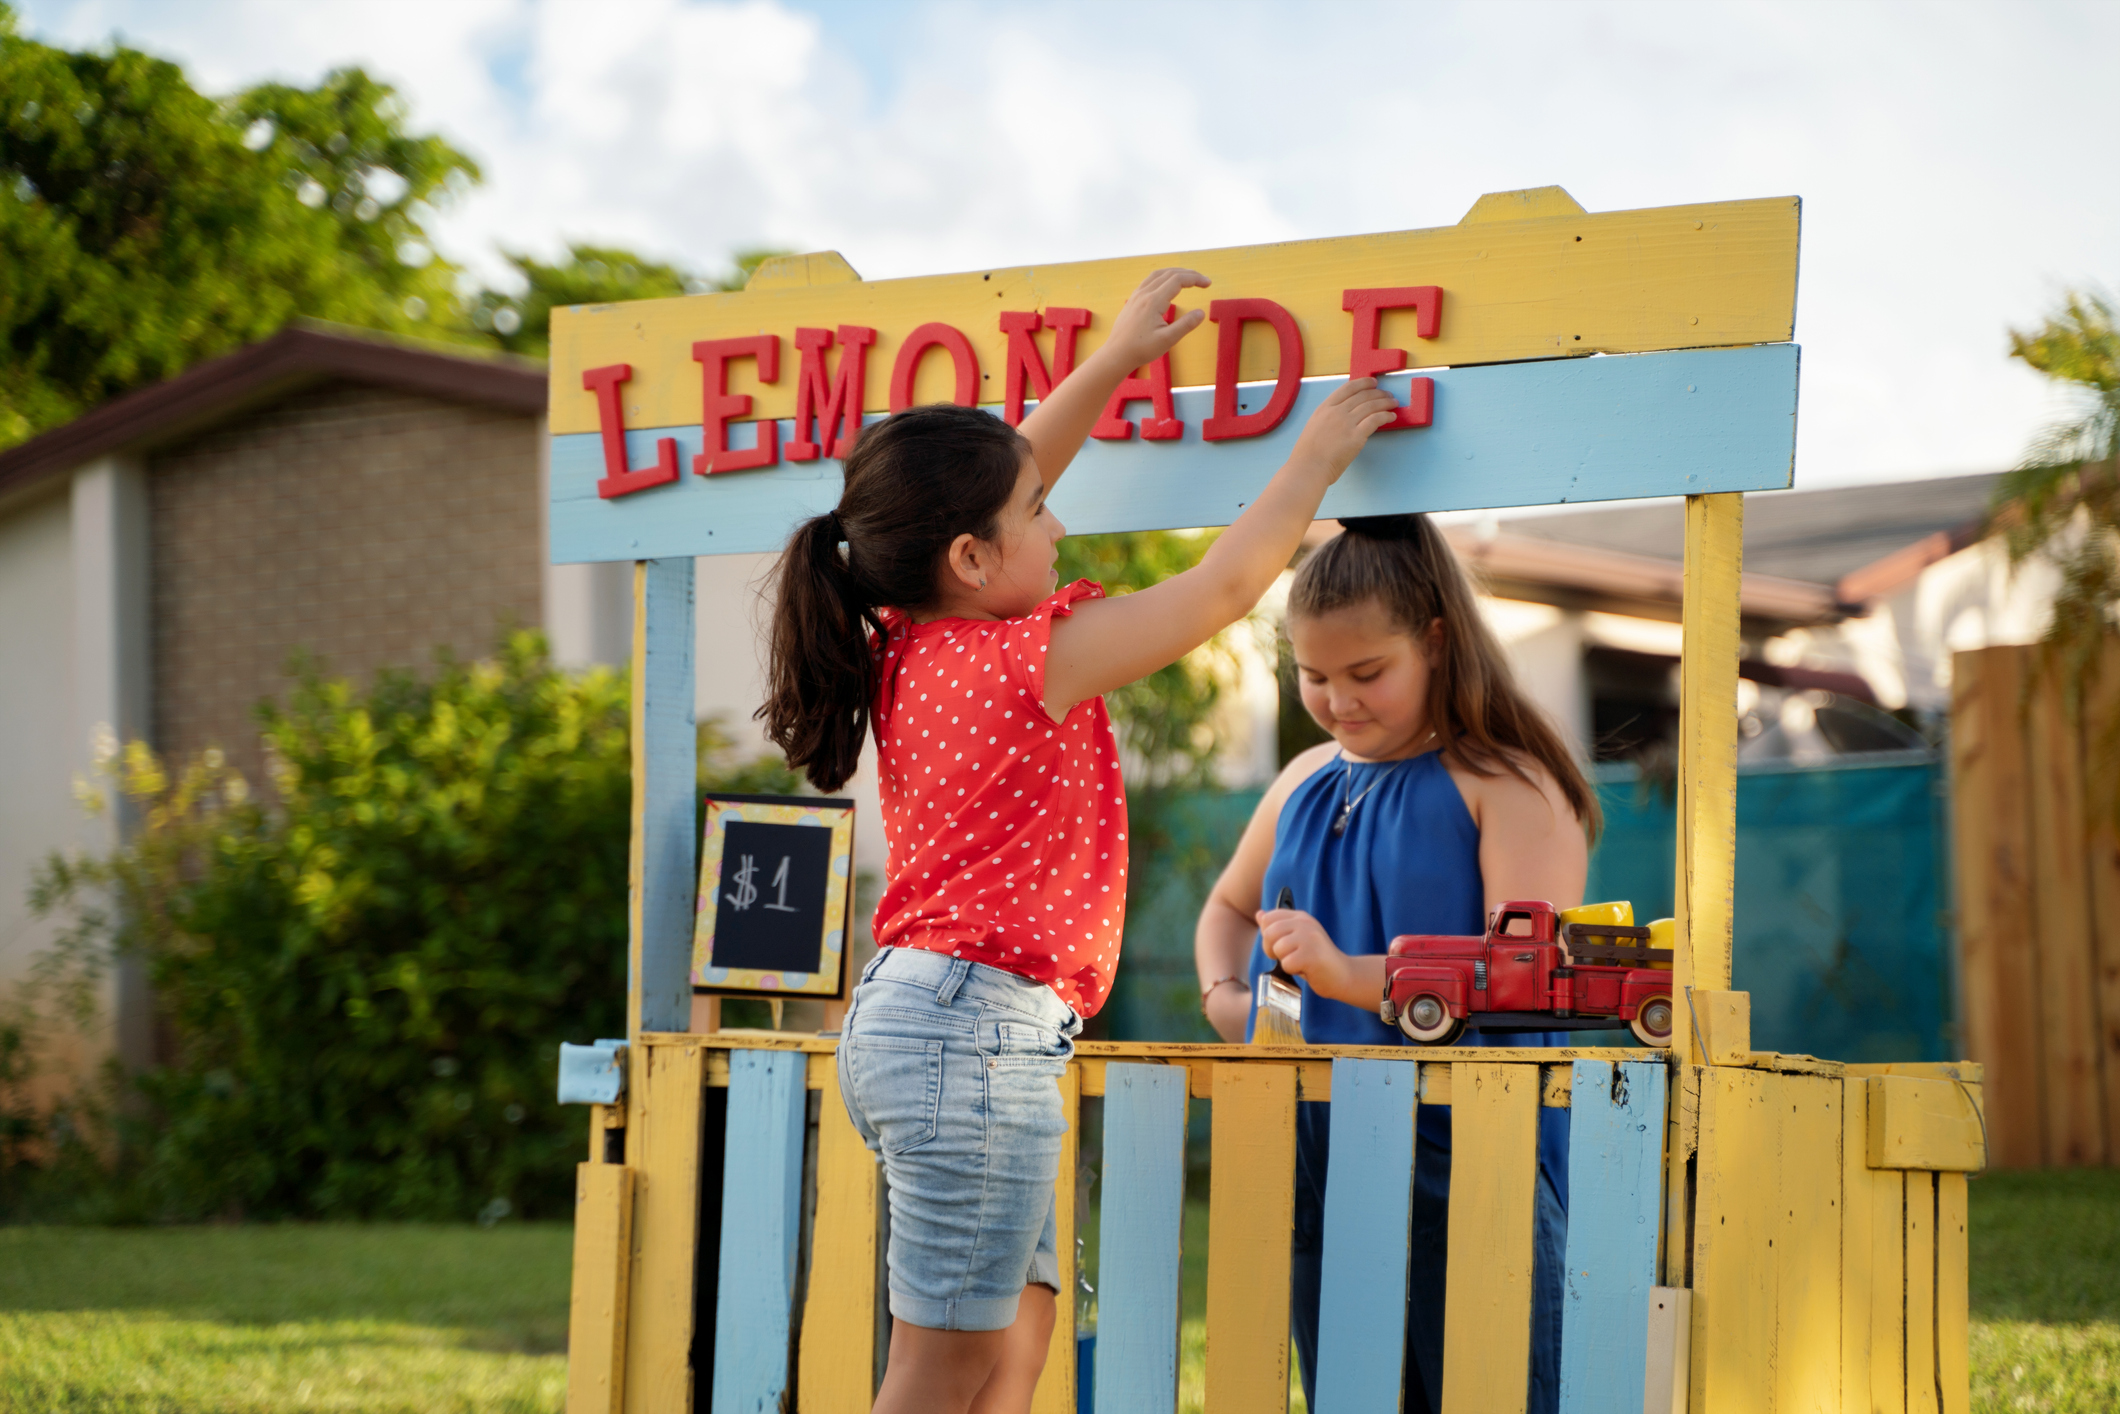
[
  {"x": 1480, "y": 715},
  {"x": 914, "y": 482}
]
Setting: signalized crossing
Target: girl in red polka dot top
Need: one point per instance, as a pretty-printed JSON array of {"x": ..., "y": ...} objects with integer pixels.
[{"x": 926, "y": 607}]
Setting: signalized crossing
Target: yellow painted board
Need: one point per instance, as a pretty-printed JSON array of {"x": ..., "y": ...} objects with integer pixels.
[
  {"x": 1737, "y": 1213},
  {"x": 664, "y": 1114},
  {"x": 1921, "y": 1294},
  {"x": 1674, "y": 277},
  {"x": 836, "y": 1364},
  {"x": 1954, "y": 1375},
  {"x": 1707, "y": 754},
  {"x": 1487, "y": 1288},
  {"x": 1807, "y": 1296},
  {"x": 596, "y": 1317},
  {"x": 1056, "y": 1393},
  {"x": 1857, "y": 1270},
  {"x": 1924, "y": 1124},
  {"x": 1681, "y": 1142},
  {"x": 1251, "y": 1218},
  {"x": 1888, "y": 1306}
]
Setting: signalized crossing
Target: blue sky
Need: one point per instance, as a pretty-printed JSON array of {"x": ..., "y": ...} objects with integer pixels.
[{"x": 1954, "y": 158}]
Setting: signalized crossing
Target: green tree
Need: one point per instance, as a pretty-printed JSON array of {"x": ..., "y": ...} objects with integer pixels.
[
  {"x": 145, "y": 226},
  {"x": 521, "y": 322}
]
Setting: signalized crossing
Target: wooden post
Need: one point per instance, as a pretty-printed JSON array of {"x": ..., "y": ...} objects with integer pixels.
[
  {"x": 665, "y": 771},
  {"x": 1707, "y": 755}
]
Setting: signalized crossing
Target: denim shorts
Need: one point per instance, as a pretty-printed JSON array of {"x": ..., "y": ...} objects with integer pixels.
[{"x": 950, "y": 1070}]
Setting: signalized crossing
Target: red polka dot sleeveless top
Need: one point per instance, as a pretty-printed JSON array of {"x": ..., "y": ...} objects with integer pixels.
[{"x": 1006, "y": 829}]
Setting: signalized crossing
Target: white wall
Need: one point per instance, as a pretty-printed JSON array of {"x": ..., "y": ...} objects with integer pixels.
[{"x": 39, "y": 740}]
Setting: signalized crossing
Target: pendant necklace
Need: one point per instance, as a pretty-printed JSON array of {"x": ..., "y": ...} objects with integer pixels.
[{"x": 1349, "y": 801}]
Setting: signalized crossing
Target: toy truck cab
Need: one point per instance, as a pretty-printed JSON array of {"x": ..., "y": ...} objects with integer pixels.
[{"x": 1531, "y": 971}]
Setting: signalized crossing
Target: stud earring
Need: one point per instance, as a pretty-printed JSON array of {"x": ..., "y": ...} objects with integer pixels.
[{"x": 982, "y": 584}]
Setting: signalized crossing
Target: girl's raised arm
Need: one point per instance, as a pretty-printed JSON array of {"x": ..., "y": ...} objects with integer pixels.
[
  {"x": 1107, "y": 643},
  {"x": 1057, "y": 426}
]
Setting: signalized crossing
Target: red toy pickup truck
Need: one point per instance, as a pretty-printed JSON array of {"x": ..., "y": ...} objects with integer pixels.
[{"x": 1531, "y": 972}]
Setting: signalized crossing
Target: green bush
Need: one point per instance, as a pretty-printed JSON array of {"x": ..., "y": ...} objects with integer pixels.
[{"x": 364, "y": 980}]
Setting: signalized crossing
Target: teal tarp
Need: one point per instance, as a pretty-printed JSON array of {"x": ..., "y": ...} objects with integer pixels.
[
  {"x": 1841, "y": 932},
  {"x": 1841, "y": 935}
]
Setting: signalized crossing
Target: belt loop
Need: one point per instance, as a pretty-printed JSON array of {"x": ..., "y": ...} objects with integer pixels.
[{"x": 947, "y": 992}]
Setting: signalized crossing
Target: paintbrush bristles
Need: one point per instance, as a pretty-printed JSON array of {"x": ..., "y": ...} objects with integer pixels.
[
  {"x": 1273, "y": 1029},
  {"x": 1278, "y": 1018}
]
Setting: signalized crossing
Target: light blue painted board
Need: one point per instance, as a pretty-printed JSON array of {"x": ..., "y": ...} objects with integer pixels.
[
  {"x": 761, "y": 1223},
  {"x": 1368, "y": 1207},
  {"x": 1137, "y": 1242},
  {"x": 669, "y": 875},
  {"x": 1615, "y": 1187},
  {"x": 1516, "y": 434}
]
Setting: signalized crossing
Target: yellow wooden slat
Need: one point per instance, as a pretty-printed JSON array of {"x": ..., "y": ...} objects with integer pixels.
[
  {"x": 1251, "y": 1214},
  {"x": 1736, "y": 1214},
  {"x": 1924, "y": 1124},
  {"x": 1921, "y": 1294},
  {"x": 1487, "y": 1288},
  {"x": 1707, "y": 752},
  {"x": 596, "y": 1318},
  {"x": 1888, "y": 1305},
  {"x": 836, "y": 1366},
  {"x": 1673, "y": 277},
  {"x": 664, "y": 1118},
  {"x": 1857, "y": 1269},
  {"x": 1953, "y": 1318},
  {"x": 1056, "y": 1393},
  {"x": 1807, "y": 1297}
]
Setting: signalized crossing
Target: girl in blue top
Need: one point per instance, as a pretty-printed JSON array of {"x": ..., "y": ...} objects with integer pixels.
[{"x": 1443, "y": 792}]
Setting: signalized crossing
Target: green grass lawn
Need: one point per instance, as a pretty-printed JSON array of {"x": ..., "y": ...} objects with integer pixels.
[{"x": 384, "y": 1319}]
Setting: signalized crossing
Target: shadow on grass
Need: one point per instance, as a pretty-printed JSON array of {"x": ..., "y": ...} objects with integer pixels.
[
  {"x": 2045, "y": 1246},
  {"x": 502, "y": 1289}
]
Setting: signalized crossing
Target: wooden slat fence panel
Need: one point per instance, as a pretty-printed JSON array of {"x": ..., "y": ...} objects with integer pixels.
[
  {"x": 836, "y": 1373},
  {"x": 1251, "y": 1216},
  {"x": 1368, "y": 1212},
  {"x": 761, "y": 1225},
  {"x": 1056, "y": 1392},
  {"x": 2038, "y": 905},
  {"x": 1138, "y": 1239},
  {"x": 1487, "y": 1290},
  {"x": 1615, "y": 1151}
]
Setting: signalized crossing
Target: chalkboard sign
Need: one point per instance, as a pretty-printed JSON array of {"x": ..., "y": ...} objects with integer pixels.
[{"x": 775, "y": 896}]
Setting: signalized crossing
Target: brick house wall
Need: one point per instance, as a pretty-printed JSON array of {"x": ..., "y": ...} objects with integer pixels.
[{"x": 365, "y": 525}]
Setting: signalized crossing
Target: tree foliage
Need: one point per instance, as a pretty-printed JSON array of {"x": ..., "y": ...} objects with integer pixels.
[
  {"x": 366, "y": 976},
  {"x": 145, "y": 226},
  {"x": 521, "y": 323},
  {"x": 2063, "y": 505}
]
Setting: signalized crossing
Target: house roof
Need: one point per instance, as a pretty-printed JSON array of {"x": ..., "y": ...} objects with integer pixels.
[
  {"x": 1859, "y": 542},
  {"x": 299, "y": 356}
]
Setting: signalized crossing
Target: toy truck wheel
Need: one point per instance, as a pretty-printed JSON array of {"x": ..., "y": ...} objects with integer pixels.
[
  {"x": 1652, "y": 1023},
  {"x": 1425, "y": 1020}
]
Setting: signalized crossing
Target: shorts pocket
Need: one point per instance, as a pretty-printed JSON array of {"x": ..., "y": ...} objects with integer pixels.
[
  {"x": 898, "y": 1087},
  {"x": 1025, "y": 1042}
]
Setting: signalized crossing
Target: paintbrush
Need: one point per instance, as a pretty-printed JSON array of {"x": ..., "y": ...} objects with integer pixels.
[{"x": 1277, "y": 1012}]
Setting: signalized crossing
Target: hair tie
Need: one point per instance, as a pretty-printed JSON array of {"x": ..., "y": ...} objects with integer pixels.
[
  {"x": 832, "y": 523},
  {"x": 1398, "y": 527}
]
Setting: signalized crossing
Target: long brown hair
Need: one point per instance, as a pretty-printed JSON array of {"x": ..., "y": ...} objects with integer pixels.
[
  {"x": 1480, "y": 715},
  {"x": 914, "y": 482}
]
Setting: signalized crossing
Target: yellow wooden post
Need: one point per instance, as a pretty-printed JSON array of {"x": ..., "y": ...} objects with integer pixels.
[
  {"x": 596, "y": 1322},
  {"x": 671, "y": 1088},
  {"x": 1707, "y": 754},
  {"x": 1487, "y": 1286},
  {"x": 837, "y": 1368},
  {"x": 1056, "y": 1393},
  {"x": 1250, "y": 1217}
]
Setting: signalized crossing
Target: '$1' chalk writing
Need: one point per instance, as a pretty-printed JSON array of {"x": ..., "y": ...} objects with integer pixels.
[{"x": 747, "y": 893}]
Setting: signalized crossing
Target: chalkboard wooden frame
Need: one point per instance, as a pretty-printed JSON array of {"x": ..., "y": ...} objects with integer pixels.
[{"x": 830, "y": 979}]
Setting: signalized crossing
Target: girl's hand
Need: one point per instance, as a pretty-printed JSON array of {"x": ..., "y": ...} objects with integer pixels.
[
  {"x": 1343, "y": 424},
  {"x": 1139, "y": 334},
  {"x": 1300, "y": 944}
]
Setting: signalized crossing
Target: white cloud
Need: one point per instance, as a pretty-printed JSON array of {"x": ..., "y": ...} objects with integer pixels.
[{"x": 1949, "y": 155}]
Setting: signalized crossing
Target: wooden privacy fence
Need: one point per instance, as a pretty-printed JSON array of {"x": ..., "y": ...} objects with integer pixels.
[
  {"x": 2038, "y": 882},
  {"x": 728, "y": 1247}
]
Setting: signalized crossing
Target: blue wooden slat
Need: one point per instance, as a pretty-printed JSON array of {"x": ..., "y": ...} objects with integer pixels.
[
  {"x": 761, "y": 1222},
  {"x": 669, "y": 861},
  {"x": 1368, "y": 1207},
  {"x": 1615, "y": 1182},
  {"x": 1137, "y": 1241},
  {"x": 1519, "y": 434}
]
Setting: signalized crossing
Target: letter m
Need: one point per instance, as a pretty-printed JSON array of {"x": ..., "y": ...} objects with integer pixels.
[{"x": 831, "y": 406}]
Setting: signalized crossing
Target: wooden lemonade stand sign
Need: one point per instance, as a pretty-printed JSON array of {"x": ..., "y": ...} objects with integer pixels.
[{"x": 1747, "y": 1230}]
